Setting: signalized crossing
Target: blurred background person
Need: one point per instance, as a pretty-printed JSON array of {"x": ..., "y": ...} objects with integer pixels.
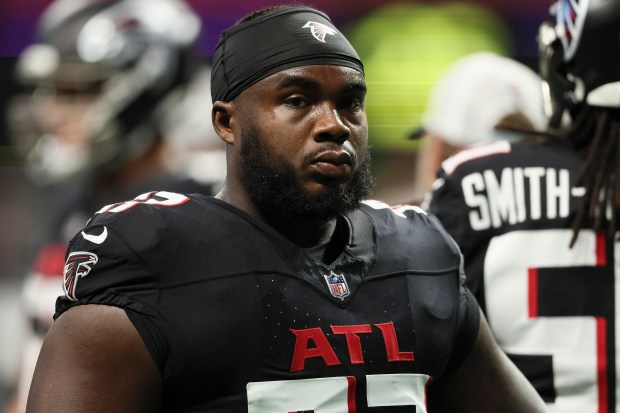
[
  {"x": 537, "y": 219},
  {"x": 114, "y": 105},
  {"x": 479, "y": 98}
]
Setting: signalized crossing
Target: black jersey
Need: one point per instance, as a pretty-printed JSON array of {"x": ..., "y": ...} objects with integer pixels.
[
  {"x": 551, "y": 308},
  {"x": 239, "y": 319},
  {"x": 71, "y": 205}
]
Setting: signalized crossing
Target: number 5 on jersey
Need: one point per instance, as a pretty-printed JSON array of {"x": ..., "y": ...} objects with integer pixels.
[{"x": 337, "y": 394}]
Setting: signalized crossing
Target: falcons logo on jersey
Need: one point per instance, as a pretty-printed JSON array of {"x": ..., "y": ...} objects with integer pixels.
[
  {"x": 78, "y": 266},
  {"x": 320, "y": 30}
]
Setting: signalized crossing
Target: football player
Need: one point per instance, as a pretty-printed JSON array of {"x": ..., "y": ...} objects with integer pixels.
[
  {"x": 537, "y": 219},
  {"x": 103, "y": 87},
  {"x": 284, "y": 292}
]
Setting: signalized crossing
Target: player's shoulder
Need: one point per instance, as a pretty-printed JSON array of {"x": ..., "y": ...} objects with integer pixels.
[
  {"x": 404, "y": 221},
  {"x": 484, "y": 152},
  {"x": 497, "y": 155},
  {"x": 380, "y": 210},
  {"x": 136, "y": 245},
  {"x": 149, "y": 207},
  {"x": 149, "y": 217},
  {"x": 412, "y": 231}
]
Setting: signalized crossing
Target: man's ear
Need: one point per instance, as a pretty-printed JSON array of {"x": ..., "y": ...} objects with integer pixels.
[{"x": 222, "y": 116}]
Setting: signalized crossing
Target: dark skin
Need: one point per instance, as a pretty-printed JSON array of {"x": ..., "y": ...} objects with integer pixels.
[
  {"x": 299, "y": 113},
  {"x": 99, "y": 355}
]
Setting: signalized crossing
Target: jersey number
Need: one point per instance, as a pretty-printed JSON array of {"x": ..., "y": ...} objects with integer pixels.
[
  {"x": 162, "y": 198},
  {"x": 336, "y": 394},
  {"x": 552, "y": 310}
]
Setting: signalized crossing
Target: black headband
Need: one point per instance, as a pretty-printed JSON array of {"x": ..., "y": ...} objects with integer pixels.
[{"x": 258, "y": 48}]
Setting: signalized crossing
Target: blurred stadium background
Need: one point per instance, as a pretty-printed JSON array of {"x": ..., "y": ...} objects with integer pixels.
[{"x": 405, "y": 45}]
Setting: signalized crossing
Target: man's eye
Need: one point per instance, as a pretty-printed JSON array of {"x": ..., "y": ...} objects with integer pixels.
[
  {"x": 296, "y": 102},
  {"x": 352, "y": 104}
]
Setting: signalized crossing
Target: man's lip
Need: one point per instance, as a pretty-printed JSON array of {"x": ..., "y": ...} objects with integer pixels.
[
  {"x": 334, "y": 158},
  {"x": 333, "y": 164}
]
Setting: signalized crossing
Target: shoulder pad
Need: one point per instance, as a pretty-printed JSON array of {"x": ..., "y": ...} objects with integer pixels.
[
  {"x": 410, "y": 239},
  {"x": 474, "y": 152}
]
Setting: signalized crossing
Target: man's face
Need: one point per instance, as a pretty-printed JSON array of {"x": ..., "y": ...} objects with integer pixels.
[
  {"x": 62, "y": 111},
  {"x": 52, "y": 126},
  {"x": 304, "y": 147}
]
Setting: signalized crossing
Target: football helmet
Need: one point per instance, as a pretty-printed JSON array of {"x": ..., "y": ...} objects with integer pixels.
[
  {"x": 130, "y": 59},
  {"x": 580, "y": 57}
]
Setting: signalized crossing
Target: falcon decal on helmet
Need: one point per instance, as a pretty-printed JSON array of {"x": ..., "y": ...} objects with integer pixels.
[
  {"x": 320, "y": 30},
  {"x": 78, "y": 265},
  {"x": 571, "y": 16},
  {"x": 579, "y": 57}
]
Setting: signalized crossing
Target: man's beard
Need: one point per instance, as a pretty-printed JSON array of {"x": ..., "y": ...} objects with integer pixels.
[{"x": 272, "y": 185}]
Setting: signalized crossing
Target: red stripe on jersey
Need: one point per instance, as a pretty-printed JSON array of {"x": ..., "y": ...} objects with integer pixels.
[
  {"x": 51, "y": 260},
  {"x": 474, "y": 152},
  {"x": 532, "y": 274},
  {"x": 601, "y": 258},
  {"x": 601, "y": 355},
  {"x": 351, "y": 394}
]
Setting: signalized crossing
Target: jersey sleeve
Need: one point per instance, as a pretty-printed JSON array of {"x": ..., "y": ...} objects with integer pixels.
[
  {"x": 102, "y": 269},
  {"x": 468, "y": 311},
  {"x": 467, "y": 329}
]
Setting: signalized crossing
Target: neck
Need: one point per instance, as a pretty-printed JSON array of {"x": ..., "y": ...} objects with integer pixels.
[
  {"x": 308, "y": 233},
  {"x": 304, "y": 234}
]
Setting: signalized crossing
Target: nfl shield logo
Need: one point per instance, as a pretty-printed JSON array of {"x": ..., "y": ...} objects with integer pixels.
[{"x": 337, "y": 285}]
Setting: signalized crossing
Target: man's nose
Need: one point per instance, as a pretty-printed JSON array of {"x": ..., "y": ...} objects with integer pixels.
[{"x": 330, "y": 126}]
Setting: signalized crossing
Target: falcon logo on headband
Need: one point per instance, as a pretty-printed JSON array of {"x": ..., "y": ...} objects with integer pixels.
[
  {"x": 320, "y": 30},
  {"x": 78, "y": 266}
]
